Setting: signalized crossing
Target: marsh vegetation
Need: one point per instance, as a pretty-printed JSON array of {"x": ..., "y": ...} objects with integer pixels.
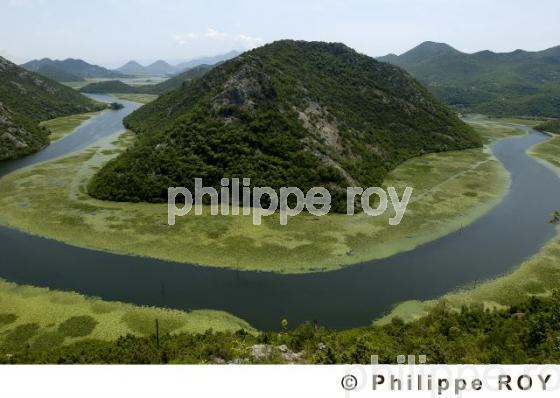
[{"x": 40, "y": 319}]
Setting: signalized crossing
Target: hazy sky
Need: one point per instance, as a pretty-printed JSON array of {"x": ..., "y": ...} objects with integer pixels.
[{"x": 111, "y": 32}]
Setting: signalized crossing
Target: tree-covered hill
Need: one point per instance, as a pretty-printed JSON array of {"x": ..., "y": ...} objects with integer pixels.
[
  {"x": 75, "y": 67},
  {"x": 110, "y": 86},
  {"x": 291, "y": 113},
  {"x": 117, "y": 86},
  {"x": 27, "y": 98},
  {"x": 518, "y": 83}
]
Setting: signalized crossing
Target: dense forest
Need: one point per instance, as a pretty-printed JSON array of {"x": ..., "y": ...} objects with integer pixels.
[
  {"x": 519, "y": 83},
  {"x": 27, "y": 98},
  {"x": 335, "y": 118},
  {"x": 526, "y": 333}
]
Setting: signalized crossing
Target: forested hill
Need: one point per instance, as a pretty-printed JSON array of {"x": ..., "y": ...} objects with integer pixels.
[
  {"x": 518, "y": 83},
  {"x": 290, "y": 113},
  {"x": 27, "y": 98}
]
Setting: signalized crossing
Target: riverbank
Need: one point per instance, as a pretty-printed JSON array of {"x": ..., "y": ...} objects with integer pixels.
[
  {"x": 63, "y": 126},
  {"x": 548, "y": 152},
  {"x": 44, "y": 319},
  {"x": 140, "y": 98},
  {"x": 451, "y": 190},
  {"x": 537, "y": 276}
]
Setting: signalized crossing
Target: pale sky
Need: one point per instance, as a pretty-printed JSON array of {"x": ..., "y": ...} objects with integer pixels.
[{"x": 110, "y": 32}]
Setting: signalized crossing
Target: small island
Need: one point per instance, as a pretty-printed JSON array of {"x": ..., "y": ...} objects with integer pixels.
[{"x": 115, "y": 106}]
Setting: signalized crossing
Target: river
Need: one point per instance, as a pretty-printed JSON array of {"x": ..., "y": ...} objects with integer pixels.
[{"x": 494, "y": 244}]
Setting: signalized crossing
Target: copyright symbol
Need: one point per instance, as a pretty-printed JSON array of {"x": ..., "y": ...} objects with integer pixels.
[{"x": 349, "y": 382}]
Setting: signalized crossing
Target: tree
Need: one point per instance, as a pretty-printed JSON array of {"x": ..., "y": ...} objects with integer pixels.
[{"x": 284, "y": 324}]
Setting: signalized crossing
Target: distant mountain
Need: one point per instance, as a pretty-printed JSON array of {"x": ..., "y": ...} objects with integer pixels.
[
  {"x": 118, "y": 87},
  {"x": 131, "y": 68},
  {"x": 158, "y": 68},
  {"x": 162, "y": 68},
  {"x": 54, "y": 73},
  {"x": 517, "y": 83},
  {"x": 335, "y": 118},
  {"x": 76, "y": 67},
  {"x": 27, "y": 98},
  {"x": 424, "y": 51},
  {"x": 206, "y": 60}
]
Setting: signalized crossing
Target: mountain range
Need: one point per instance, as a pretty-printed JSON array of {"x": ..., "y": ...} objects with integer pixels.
[
  {"x": 69, "y": 69},
  {"x": 335, "y": 118},
  {"x": 163, "y": 68},
  {"x": 27, "y": 98},
  {"x": 518, "y": 83}
]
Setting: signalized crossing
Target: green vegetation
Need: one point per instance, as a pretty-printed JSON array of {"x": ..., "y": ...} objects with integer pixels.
[
  {"x": 109, "y": 86},
  {"x": 26, "y": 99},
  {"x": 176, "y": 82},
  {"x": 76, "y": 85},
  {"x": 335, "y": 119},
  {"x": 551, "y": 126},
  {"x": 62, "y": 126},
  {"x": 548, "y": 151},
  {"x": 523, "y": 121},
  {"x": 518, "y": 83},
  {"x": 38, "y": 98},
  {"x": 19, "y": 135},
  {"x": 40, "y": 319},
  {"x": 525, "y": 333},
  {"x": 56, "y": 74},
  {"x": 140, "y": 98},
  {"x": 51, "y": 200},
  {"x": 537, "y": 276}
]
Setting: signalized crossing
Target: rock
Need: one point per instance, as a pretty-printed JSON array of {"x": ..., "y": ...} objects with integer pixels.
[
  {"x": 260, "y": 351},
  {"x": 293, "y": 357}
]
